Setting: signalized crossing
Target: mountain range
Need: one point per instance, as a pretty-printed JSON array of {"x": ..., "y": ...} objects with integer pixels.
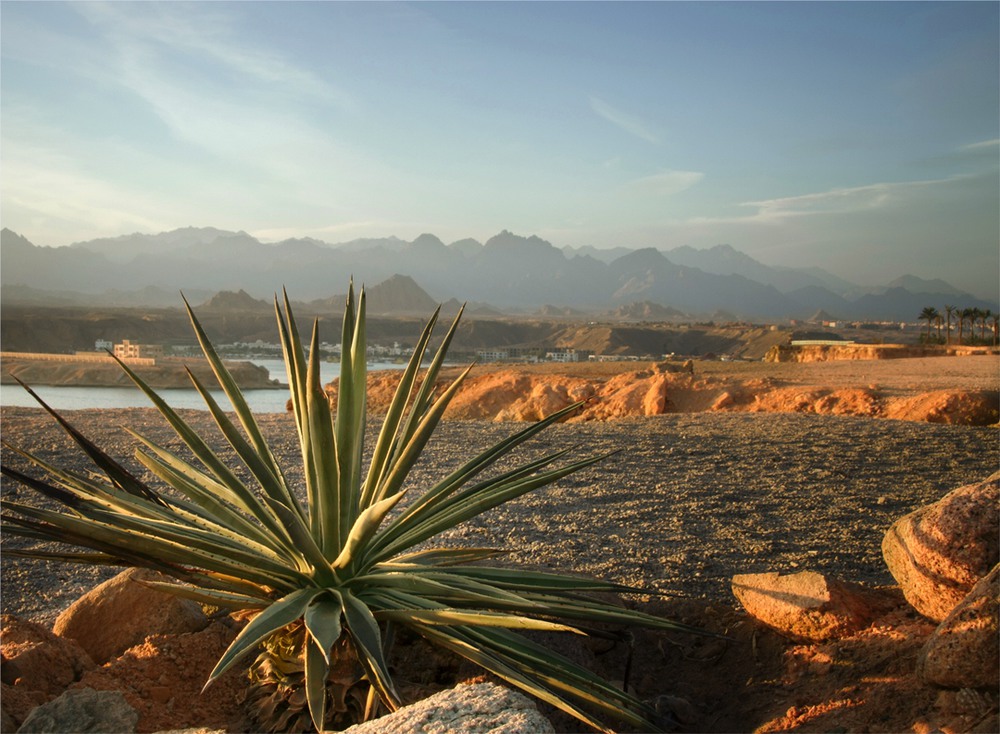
[{"x": 508, "y": 273}]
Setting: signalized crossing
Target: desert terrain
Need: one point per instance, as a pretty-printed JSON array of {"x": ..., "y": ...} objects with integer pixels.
[
  {"x": 689, "y": 499},
  {"x": 947, "y": 389}
]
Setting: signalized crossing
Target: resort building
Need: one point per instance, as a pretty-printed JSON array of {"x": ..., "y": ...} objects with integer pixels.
[{"x": 127, "y": 350}]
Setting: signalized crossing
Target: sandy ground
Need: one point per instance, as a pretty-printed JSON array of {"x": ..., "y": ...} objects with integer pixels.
[{"x": 689, "y": 501}]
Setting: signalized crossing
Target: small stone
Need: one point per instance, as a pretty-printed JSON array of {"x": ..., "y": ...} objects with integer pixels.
[
  {"x": 723, "y": 401},
  {"x": 808, "y": 605}
]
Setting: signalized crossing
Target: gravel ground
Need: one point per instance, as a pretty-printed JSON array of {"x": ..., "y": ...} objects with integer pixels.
[{"x": 687, "y": 502}]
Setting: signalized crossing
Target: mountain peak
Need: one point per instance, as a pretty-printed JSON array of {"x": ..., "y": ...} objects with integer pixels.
[
  {"x": 427, "y": 242},
  {"x": 399, "y": 294},
  {"x": 920, "y": 285},
  {"x": 507, "y": 239},
  {"x": 10, "y": 238},
  {"x": 234, "y": 301}
]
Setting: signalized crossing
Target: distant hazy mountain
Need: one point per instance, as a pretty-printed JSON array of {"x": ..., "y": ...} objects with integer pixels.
[
  {"x": 398, "y": 295},
  {"x": 240, "y": 301},
  {"x": 507, "y": 272},
  {"x": 604, "y": 255},
  {"x": 130, "y": 246},
  {"x": 647, "y": 311},
  {"x": 918, "y": 285},
  {"x": 724, "y": 260}
]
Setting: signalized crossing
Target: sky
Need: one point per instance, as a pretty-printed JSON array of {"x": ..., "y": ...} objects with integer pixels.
[{"x": 861, "y": 137}]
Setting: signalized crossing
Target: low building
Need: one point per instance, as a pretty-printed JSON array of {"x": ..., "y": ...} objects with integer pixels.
[
  {"x": 492, "y": 355},
  {"x": 568, "y": 354},
  {"x": 127, "y": 350}
]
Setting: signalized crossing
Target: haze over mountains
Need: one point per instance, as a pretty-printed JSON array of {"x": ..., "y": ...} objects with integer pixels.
[{"x": 508, "y": 272}]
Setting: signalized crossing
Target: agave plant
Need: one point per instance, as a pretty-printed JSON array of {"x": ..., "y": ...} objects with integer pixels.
[{"x": 329, "y": 570}]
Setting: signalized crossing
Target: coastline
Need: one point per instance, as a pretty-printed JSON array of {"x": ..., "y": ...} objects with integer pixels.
[{"x": 166, "y": 373}]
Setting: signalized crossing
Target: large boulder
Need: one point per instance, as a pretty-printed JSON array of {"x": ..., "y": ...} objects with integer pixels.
[
  {"x": 83, "y": 710},
  {"x": 808, "y": 605},
  {"x": 937, "y": 553},
  {"x": 964, "y": 651},
  {"x": 123, "y": 611},
  {"x": 479, "y": 708}
]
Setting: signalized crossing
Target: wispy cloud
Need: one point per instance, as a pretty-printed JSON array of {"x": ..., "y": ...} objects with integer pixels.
[
  {"x": 841, "y": 200},
  {"x": 42, "y": 187},
  {"x": 243, "y": 105},
  {"x": 629, "y": 123},
  {"x": 205, "y": 34},
  {"x": 985, "y": 145}
]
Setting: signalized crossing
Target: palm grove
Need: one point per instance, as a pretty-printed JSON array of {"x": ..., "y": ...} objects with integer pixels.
[{"x": 971, "y": 325}]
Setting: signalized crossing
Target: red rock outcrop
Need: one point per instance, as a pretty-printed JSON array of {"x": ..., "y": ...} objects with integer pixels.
[
  {"x": 519, "y": 395},
  {"x": 37, "y": 666},
  {"x": 162, "y": 679}
]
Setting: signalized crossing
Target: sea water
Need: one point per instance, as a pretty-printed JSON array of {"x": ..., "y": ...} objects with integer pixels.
[{"x": 270, "y": 400}]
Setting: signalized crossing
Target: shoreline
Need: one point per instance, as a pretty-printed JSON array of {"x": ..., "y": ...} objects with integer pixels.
[{"x": 165, "y": 374}]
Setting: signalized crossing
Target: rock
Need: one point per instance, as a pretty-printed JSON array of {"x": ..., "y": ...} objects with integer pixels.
[
  {"x": 479, "y": 708},
  {"x": 937, "y": 553},
  {"x": 724, "y": 400},
  {"x": 36, "y": 659},
  {"x": 164, "y": 677},
  {"x": 83, "y": 710},
  {"x": 122, "y": 612},
  {"x": 964, "y": 651},
  {"x": 36, "y": 667},
  {"x": 16, "y": 702},
  {"x": 808, "y": 605}
]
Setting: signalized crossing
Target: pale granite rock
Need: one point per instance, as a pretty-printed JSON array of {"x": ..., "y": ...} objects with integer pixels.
[
  {"x": 82, "y": 710},
  {"x": 938, "y": 552},
  {"x": 964, "y": 651},
  {"x": 480, "y": 708}
]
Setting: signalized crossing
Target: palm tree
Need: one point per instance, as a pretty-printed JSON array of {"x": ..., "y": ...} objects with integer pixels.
[
  {"x": 974, "y": 314},
  {"x": 929, "y": 314},
  {"x": 965, "y": 315},
  {"x": 949, "y": 311},
  {"x": 985, "y": 315},
  {"x": 995, "y": 318}
]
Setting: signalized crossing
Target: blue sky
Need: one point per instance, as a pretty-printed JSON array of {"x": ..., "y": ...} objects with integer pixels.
[{"x": 860, "y": 137}]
